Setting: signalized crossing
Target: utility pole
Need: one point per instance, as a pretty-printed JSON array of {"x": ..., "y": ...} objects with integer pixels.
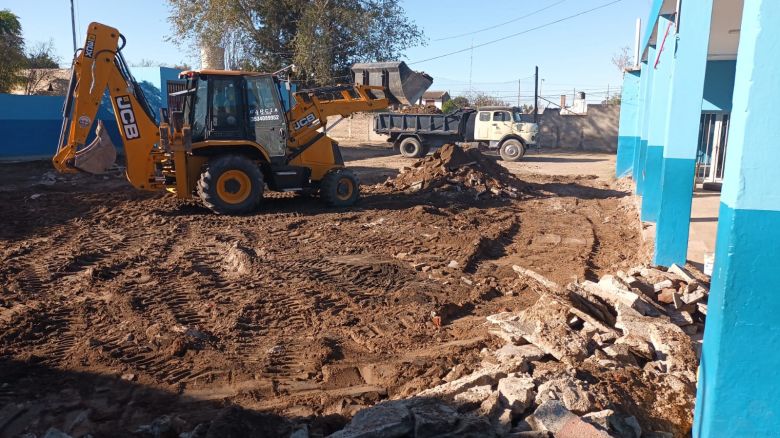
[
  {"x": 607, "y": 93},
  {"x": 518, "y": 93},
  {"x": 471, "y": 69},
  {"x": 536, "y": 94},
  {"x": 73, "y": 25}
]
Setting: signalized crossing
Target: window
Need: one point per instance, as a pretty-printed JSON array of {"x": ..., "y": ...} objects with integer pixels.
[
  {"x": 198, "y": 120},
  {"x": 484, "y": 117},
  {"x": 225, "y": 102},
  {"x": 500, "y": 116},
  {"x": 262, "y": 105}
]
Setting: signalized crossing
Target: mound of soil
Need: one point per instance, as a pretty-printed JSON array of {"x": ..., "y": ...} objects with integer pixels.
[
  {"x": 420, "y": 109},
  {"x": 455, "y": 169}
]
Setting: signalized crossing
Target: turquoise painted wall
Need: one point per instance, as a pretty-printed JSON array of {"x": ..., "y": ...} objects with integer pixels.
[{"x": 719, "y": 86}]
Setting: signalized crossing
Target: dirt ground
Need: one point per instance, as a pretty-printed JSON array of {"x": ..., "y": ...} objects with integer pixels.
[{"x": 120, "y": 307}]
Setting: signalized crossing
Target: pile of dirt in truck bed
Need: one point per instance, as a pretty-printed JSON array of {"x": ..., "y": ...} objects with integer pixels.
[
  {"x": 420, "y": 109},
  {"x": 457, "y": 170},
  {"x": 125, "y": 313}
]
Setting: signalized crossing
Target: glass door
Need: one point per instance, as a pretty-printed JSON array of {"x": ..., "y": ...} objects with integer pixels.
[{"x": 711, "y": 154}]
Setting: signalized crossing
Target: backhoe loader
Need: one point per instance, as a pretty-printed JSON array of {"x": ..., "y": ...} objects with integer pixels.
[{"x": 231, "y": 140}]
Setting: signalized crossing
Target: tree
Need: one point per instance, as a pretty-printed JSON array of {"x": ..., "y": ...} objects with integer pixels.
[
  {"x": 623, "y": 59},
  {"x": 11, "y": 51},
  {"x": 454, "y": 104},
  {"x": 485, "y": 100},
  {"x": 322, "y": 37},
  {"x": 41, "y": 68}
]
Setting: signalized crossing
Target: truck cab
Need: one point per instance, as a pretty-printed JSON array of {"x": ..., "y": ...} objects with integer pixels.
[{"x": 503, "y": 128}]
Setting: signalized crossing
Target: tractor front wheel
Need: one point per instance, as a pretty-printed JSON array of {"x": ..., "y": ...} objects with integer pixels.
[
  {"x": 340, "y": 188},
  {"x": 231, "y": 184}
]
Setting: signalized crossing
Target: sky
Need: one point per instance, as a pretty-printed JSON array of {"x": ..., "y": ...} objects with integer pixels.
[{"x": 572, "y": 54}]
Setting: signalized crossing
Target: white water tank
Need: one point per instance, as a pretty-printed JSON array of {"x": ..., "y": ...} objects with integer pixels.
[{"x": 212, "y": 57}]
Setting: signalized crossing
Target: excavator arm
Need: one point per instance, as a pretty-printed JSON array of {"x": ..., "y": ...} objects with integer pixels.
[
  {"x": 98, "y": 66},
  {"x": 313, "y": 107}
]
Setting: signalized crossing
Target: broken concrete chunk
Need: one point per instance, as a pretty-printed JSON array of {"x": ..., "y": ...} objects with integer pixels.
[
  {"x": 600, "y": 418},
  {"x": 666, "y": 296},
  {"x": 625, "y": 427},
  {"x": 615, "y": 295},
  {"x": 387, "y": 419},
  {"x": 541, "y": 279},
  {"x": 472, "y": 397},
  {"x": 569, "y": 391},
  {"x": 544, "y": 325},
  {"x": 694, "y": 297},
  {"x": 488, "y": 375},
  {"x": 517, "y": 393},
  {"x": 702, "y": 308},
  {"x": 661, "y": 285},
  {"x": 681, "y": 318},
  {"x": 527, "y": 353},
  {"x": 553, "y": 416},
  {"x": 432, "y": 417},
  {"x": 682, "y": 273}
]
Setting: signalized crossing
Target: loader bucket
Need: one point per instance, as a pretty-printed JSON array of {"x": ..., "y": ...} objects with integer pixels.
[
  {"x": 404, "y": 85},
  {"x": 98, "y": 156}
]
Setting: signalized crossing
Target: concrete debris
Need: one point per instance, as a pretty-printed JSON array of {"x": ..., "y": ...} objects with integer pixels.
[
  {"x": 388, "y": 419},
  {"x": 553, "y": 416},
  {"x": 682, "y": 273},
  {"x": 575, "y": 351},
  {"x": 571, "y": 392},
  {"x": 545, "y": 325},
  {"x": 517, "y": 392}
]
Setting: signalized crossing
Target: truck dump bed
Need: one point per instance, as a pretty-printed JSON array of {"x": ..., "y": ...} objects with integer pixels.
[
  {"x": 405, "y": 85},
  {"x": 426, "y": 124}
]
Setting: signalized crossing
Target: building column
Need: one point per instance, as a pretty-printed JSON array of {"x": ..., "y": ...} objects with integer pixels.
[
  {"x": 737, "y": 392},
  {"x": 647, "y": 108},
  {"x": 628, "y": 133},
  {"x": 664, "y": 65},
  {"x": 643, "y": 74},
  {"x": 682, "y": 134}
]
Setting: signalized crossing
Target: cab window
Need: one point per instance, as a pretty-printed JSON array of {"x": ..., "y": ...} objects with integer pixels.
[
  {"x": 198, "y": 120},
  {"x": 484, "y": 116},
  {"x": 225, "y": 104},
  {"x": 500, "y": 116}
]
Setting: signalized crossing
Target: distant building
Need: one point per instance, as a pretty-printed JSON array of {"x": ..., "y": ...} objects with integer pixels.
[{"x": 435, "y": 98}]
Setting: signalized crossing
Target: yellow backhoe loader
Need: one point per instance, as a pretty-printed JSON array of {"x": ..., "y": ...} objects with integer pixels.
[{"x": 232, "y": 138}]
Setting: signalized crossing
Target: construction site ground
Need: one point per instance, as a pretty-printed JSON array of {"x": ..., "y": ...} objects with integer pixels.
[{"x": 119, "y": 307}]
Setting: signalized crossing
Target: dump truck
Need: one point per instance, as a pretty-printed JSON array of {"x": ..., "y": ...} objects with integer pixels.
[
  {"x": 496, "y": 127},
  {"x": 232, "y": 138}
]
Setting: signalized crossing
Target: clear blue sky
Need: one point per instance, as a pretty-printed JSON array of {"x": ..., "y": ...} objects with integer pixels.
[{"x": 574, "y": 53}]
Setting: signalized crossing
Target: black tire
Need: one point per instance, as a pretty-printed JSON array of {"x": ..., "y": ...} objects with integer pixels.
[
  {"x": 231, "y": 184},
  {"x": 340, "y": 188},
  {"x": 511, "y": 150},
  {"x": 410, "y": 147}
]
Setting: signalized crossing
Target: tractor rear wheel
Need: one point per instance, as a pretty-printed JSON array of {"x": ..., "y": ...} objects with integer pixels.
[
  {"x": 231, "y": 184},
  {"x": 340, "y": 188}
]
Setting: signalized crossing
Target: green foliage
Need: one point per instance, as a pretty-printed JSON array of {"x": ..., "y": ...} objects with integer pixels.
[
  {"x": 11, "y": 51},
  {"x": 454, "y": 104},
  {"x": 323, "y": 38}
]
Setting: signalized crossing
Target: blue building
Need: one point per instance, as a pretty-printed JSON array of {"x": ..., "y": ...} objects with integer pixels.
[
  {"x": 701, "y": 105},
  {"x": 31, "y": 124}
]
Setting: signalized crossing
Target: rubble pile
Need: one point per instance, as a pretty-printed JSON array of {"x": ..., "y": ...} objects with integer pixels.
[
  {"x": 455, "y": 170},
  {"x": 420, "y": 109},
  {"x": 613, "y": 358}
]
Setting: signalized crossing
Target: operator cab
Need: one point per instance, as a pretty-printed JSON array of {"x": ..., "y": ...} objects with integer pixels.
[{"x": 237, "y": 107}]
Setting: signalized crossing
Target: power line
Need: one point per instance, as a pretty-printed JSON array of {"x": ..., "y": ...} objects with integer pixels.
[
  {"x": 519, "y": 33},
  {"x": 500, "y": 24}
]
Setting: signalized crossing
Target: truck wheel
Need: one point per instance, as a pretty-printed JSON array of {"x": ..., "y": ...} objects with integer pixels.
[
  {"x": 340, "y": 188},
  {"x": 231, "y": 184},
  {"x": 410, "y": 147},
  {"x": 511, "y": 150}
]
